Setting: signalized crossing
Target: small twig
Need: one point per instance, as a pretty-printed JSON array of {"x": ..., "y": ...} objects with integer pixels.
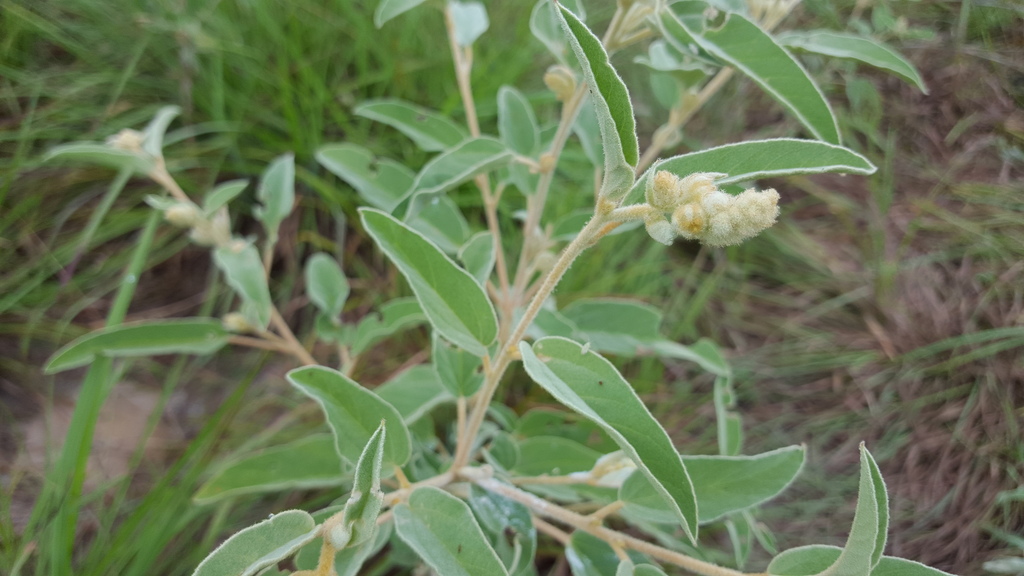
[{"x": 555, "y": 532}]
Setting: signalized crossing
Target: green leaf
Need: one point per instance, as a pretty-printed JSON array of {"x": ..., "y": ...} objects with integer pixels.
[
  {"x": 243, "y": 271},
  {"x": 153, "y": 134},
  {"x": 698, "y": 353},
  {"x": 470, "y": 19},
  {"x": 359, "y": 522},
  {"x": 381, "y": 182},
  {"x": 588, "y": 130},
  {"x": 510, "y": 527},
  {"x": 260, "y": 545},
  {"x": 179, "y": 336},
  {"x": 591, "y": 386},
  {"x": 478, "y": 256},
  {"x": 353, "y": 413},
  {"x": 442, "y": 530},
  {"x": 454, "y": 303},
  {"x": 310, "y": 462},
  {"x": 761, "y": 159},
  {"x": 222, "y": 194},
  {"x": 615, "y": 325},
  {"x": 276, "y": 193},
  {"x": 850, "y": 46},
  {"x": 458, "y": 370},
  {"x": 545, "y": 27},
  {"x": 395, "y": 315},
  {"x": 414, "y": 392},
  {"x": 517, "y": 124},
  {"x": 554, "y": 455},
  {"x": 890, "y": 566},
  {"x": 326, "y": 284},
  {"x": 742, "y": 44},
  {"x": 457, "y": 165},
  {"x": 590, "y": 556},
  {"x": 627, "y": 568},
  {"x": 430, "y": 130},
  {"x": 388, "y": 9},
  {"x": 441, "y": 221},
  {"x": 804, "y": 560},
  {"x": 611, "y": 103},
  {"x": 722, "y": 484},
  {"x": 102, "y": 155}
]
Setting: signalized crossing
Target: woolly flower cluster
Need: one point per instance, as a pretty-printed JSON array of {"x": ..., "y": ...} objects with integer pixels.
[{"x": 700, "y": 211}]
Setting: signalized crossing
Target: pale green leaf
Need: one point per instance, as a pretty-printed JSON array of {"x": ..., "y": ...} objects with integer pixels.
[
  {"x": 381, "y": 182},
  {"x": 470, "y": 19},
  {"x": 554, "y": 455},
  {"x": 153, "y": 134},
  {"x": 363, "y": 506},
  {"x": 178, "y": 336},
  {"x": 761, "y": 159},
  {"x": 590, "y": 556},
  {"x": 460, "y": 163},
  {"x": 501, "y": 451},
  {"x": 698, "y": 353},
  {"x": 627, "y": 568},
  {"x": 310, "y": 462},
  {"x": 517, "y": 124},
  {"x": 353, "y": 413},
  {"x": 591, "y": 386},
  {"x": 588, "y": 130},
  {"x": 478, "y": 256},
  {"x": 102, "y": 155},
  {"x": 611, "y": 104},
  {"x": 276, "y": 193},
  {"x": 414, "y": 392},
  {"x": 430, "y": 130},
  {"x": 804, "y": 561},
  {"x": 866, "y": 542},
  {"x": 722, "y": 484},
  {"x": 458, "y": 371},
  {"x": 454, "y": 303},
  {"x": 441, "y": 221},
  {"x": 395, "y": 315},
  {"x": 388, "y": 9},
  {"x": 326, "y": 284},
  {"x": 614, "y": 325},
  {"x": 506, "y": 521},
  {"x": 742, "y": 44},
  {"x": 844, "y": 45},
  {"x": 222, "y": 194},
  {"x": 545, "y": 27},
  {"x": 260, "y": 545},
  {"x": 569, "y": 425},
  {"x": 243, "y": 271},
  {"x": 890, "y": 566},
  {"x": 442, "y": 530}
]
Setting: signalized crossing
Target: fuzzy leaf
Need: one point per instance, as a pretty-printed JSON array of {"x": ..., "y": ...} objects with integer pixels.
[
  {"x": 457, "y": 370},
  {"x": 457, "y": 165},
  {"x": 260, "y": 545},
  {"x": 179, "y": 336},
  {"x": 363, "y": 505},
  {"x": 454, "y": 303},
  {"x": 517, "y": 124},
  {"x": 591, "y": 386},
  {"x": 353, "y": 413},
  {"x": 428, "y": 129},
  {"x": 414, "y": 392},
  {"x": 326, "y": 284},
  {"x": 222, "y": 194},
  {"x": 102, "y": 155},
  {"x": 742, "y": 44},
  {"x": 867, "y": 50},
  {"x": 388, "y": 9},
  {"x": 441, "y": 221},
  {"x": 611, "y": 103},
  {"x": 510, "y": 527},
  {"x": 276, "y": 193},
  {"x": 478, "y": 256},
  {"x": 381, "y": 182},
  {"x": 243, "y": 271},
  {"x": 470, "y": 19},
  {"x": 153, "y": 134},
  {"x": 442, "y": 530}
]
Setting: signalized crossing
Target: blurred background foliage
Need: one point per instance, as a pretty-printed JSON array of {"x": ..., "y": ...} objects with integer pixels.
[{"x": 888, "y": 309}]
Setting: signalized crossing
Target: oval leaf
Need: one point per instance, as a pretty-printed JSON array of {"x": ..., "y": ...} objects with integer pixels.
[
  {"x": 381, "y": 182},
  {"x": 440, "y": 220},
  {"x": 388, "y": 9},
  {"x": 457, "y": 370},
  {"x": 353, "y": 413},
  {"x": 611, "y": 103},
  {"x": 615, "y": 325},
  {"x": 276, "y": 193},
  {"x": 459, "y": 164},
  {"x": 761, "y": 159},
  {"x": 454, "y": 303},
  {"x": 517, "y": 124},
  {"x": 744, "y": 45},
  {"x": 554, "y": 455},
  {"x": 470, "y": 19},
  {"x": 428, "y": 129},
  {"x": 326, "y": 284},
  {"x": 804, "y": 560},
  {"x": 723, "y": 484},
  {"x": 867, "y": 50},
  {"x": 509, "y": 525},
  {"x": 591, "y": 386},
  {"x": 442, "y": 530},
  {"x": 307, "y": 463},
  {"x": 181, "y": 336},
  {"x": 478, "y": 256},
  {"x": 414, "y": 392},
  {"x": 243, "y": 271},
  {"x": 260, "y": 545},
  {"x": 222, "y": 194}
]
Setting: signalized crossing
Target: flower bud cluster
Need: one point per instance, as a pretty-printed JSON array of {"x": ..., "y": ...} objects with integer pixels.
[
  {"x": 698, "y": 210},
  {"x": 207, "y": 231}
]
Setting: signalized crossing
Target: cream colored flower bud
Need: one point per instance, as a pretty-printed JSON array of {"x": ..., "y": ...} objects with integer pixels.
[
  {"x": 127, "y": 140},
  {"x": 236, "y": 322},
  {"x": 690, "y": 220},
  {"x": 545, "y": 261},
  {"x": 660, "y": 229},
  {"x": 662, "y": 191},
  {"x": 561, "y": 81},
  {"x": 696, "y": 186},
  {"x": 547, "y": 162},
  {"x": 183, "y": 215},
  {"x": 612, "y": 469},
  {"x": 745, "y": 216}
]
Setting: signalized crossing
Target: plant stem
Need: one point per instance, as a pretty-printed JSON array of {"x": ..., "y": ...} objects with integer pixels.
[
  {"x": 587, "y": 236},
  {"x": 295, "y": 348},
  {"x": 547, "y": 509}
]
